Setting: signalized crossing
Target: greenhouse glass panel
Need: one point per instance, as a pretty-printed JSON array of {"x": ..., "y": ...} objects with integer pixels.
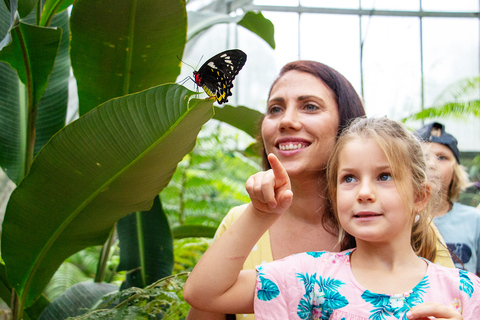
[
  {"x": 333, "y": 40},
  {"x": 404, "y": 5},
  {"x": 391, "y": 64},
  {"x": 345, "y": 4},
  {"x": 449, "y": 5},
  {"x": 288, "y": 3}
]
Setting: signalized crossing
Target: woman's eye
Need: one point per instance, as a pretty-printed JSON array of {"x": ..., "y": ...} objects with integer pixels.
[
  {"x": 311, "y": 107},
  {"x": 385, "y": 177},
  {"x": 274, "y": 109},
  {"x": 442, "y": 158}
]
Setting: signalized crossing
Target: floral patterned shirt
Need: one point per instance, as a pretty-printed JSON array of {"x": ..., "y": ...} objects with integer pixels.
[{"x": 320, "y": 285}]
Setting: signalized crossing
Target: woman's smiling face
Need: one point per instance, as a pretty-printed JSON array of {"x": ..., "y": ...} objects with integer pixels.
[{"x": 301, "y": 123}]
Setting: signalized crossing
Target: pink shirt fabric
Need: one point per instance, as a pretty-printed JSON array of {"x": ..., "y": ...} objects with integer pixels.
[{"x": 320, "y": 285}]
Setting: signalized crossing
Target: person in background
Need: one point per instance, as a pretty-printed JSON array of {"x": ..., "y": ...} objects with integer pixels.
[
  {"x": 380, "y": 191},
  {"x": 458, "y": 224}
]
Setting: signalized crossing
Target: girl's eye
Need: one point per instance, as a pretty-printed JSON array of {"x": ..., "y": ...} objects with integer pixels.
[
  {"x": 349, "y": 179},
  {"x": 385, "y": 177},
  {"x": 442, "y": 158}
]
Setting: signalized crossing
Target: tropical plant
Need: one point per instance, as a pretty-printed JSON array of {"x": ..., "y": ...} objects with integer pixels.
[
  {"x": 114, "y": 160},
  {"x": 208, "y": 182},
  {"x": 458, "y": 101}
]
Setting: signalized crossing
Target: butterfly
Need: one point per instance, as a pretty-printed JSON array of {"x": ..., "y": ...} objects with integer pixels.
[{"x": 216, "y": 75}]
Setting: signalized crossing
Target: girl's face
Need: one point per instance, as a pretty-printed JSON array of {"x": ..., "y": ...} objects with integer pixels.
[
  {"x": 301, "y": 123},
  {"x": 369, "y": 206},
  {"x": 441, "y": 161}
]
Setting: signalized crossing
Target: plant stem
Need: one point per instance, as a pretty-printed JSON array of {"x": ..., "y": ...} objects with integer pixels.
[
  {"x": 16, "y": 306},
  {"x": 102, "y": 261}
]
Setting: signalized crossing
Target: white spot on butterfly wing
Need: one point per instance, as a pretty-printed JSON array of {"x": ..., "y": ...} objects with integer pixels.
[{"x": 212, "y": 65}]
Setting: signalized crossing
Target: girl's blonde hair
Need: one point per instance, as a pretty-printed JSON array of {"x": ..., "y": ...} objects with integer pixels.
[{"x": 407, "y": 164}]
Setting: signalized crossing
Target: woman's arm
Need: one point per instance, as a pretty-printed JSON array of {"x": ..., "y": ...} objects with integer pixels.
[{"x": 217, "y": 283}]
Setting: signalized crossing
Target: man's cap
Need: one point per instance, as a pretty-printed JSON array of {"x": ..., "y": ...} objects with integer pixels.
[{"x": 435, "y": 132}]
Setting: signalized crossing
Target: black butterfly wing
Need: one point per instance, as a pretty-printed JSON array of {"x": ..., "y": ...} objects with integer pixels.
[{"x": 216, "y": 75}]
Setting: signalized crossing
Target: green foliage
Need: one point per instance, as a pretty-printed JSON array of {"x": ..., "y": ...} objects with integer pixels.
[
  {"x": 117, "y": 157},
  {"x": 471, "y": 196},
  {"x": 122, "y": 177},
  {"x": 82, "y": 266},
  {"x": 459, "y": 101},
  {"x": 160, "y": 300},
  {"x": 146, "y": 245},
  {"x": 209, "y": 181},
  {"x": 187, "y": 253}
]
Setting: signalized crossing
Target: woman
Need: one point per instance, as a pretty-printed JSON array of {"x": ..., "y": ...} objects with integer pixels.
[{"x": 308, "y": 106}]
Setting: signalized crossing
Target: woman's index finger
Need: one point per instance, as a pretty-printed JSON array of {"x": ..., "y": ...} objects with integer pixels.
[{"x": 278, "y": 170}]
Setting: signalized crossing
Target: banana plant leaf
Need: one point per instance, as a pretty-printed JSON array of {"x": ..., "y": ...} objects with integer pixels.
[
  {"x": 241, "y": 117},
  {"x": 122, "y": 46},
  {"x": 51, "y": 109},
  {"x": 255, "y": 22},
  {"x": 50, "y": 8},
  {"x": 146, "y": 246},
  {"x": 32, "y": 53},
  {"x": 25, "y": 7},
  {"x": 110, "y": 162},
  {"x": 77, "y": 300}
]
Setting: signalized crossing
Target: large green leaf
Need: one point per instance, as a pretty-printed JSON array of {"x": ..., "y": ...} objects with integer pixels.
[
  {"x": 77, "y": 300},
  {"x": 51, "y": 112},
  {"x": 122, "y": 46},
  {"x": 146, "y": 246},
  {"x": 261, "y": 26},
  {"x": 110, "y": 162},
  {"x": 32, "y": 52},
  {"x": 52, "y": 108},
  {"x": 240, "y": 117},
  {"x": 25, "y": 7},
  {"x": 50, "y": 8},
  {"x": 255, "y": 22}
]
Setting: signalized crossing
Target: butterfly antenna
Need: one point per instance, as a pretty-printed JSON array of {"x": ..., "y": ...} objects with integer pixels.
[
  {"x": 185, "y": 63},
  {"x": 199, "y": 62}
]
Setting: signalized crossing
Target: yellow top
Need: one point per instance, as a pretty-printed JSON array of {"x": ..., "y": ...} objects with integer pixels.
[{"x": 262, "y": 251}]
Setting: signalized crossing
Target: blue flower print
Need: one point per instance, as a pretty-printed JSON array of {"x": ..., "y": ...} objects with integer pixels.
[
  {"x": 268, "y": 291},
  {"x": 386, "y": 306},
  {"x": 321, "y": 297},
  {"x": 466, "y": 285},
  {"x": 316, "y": 254}
]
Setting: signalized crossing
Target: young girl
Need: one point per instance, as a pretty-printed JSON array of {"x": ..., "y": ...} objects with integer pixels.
[{"x": 380, "y": 194}]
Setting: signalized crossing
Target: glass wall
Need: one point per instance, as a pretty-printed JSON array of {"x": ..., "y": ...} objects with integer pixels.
[{"x": 399, "y": 55}]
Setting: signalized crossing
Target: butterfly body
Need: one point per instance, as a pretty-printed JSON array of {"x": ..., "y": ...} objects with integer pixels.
[{"x": 216, "y": 75}]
